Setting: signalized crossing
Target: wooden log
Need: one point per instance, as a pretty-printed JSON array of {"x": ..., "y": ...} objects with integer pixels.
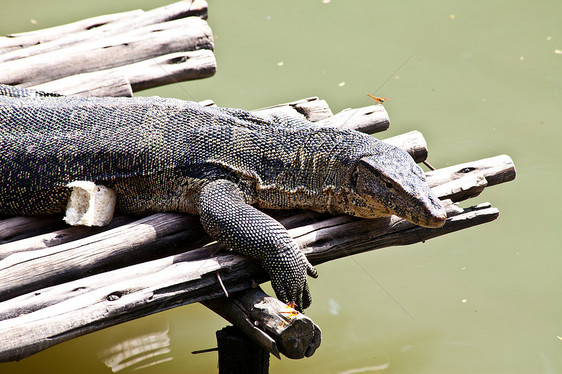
[
  {"x": 171, "y": 68},
  {"x": 370, "y": 119},
  {"x": 281, "y": 328},
  {"x": 184, "y": 34},
  {"x": 109, "y": 298},
  {"x": 58, "y": 237},
  {"x": 496, "y": 170},
  {"x": 311, "y": 108},
  {"x": 412, "y": 142},
  {"x": 98, "y": 83},
  {"x": 123, "y": 80},
  {"x": 18, "y": 41},
  {"x": 53, "y": 39},
  {"x": 20, "y": 227},
  {"x": 106, "y": 250}
]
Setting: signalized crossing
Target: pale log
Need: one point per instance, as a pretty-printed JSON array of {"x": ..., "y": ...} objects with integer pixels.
[
  {"x": 171, "y": 68},
  {"x": 123, "y": 80},
  {"x": 56, "y": 38},
  {"x": 311, "y": 108},
  {"x": 97, "y": 83},
  {"x": 18, "y": 41},
  {"x": 412, "y": 142},
  {"x": 57, "y": 237},
  {"x": 369, "y": 119},
  {"x": 184, "y": 34},
  {"x": 497, "y": 169}
]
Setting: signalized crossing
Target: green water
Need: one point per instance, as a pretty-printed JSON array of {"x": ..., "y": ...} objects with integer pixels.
[{"x": 479, "y": 79}]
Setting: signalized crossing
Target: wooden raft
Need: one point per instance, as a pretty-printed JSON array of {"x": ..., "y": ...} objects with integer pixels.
[{"x": 59, "y": 282}]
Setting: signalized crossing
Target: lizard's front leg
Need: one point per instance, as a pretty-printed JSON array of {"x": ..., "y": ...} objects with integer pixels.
[{"x": 230, "y": 221}]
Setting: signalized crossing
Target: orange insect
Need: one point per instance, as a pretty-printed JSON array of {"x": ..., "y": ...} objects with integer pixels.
[
  {"x": 379, "y": 100},
  {"x": 293, "y": 312}
]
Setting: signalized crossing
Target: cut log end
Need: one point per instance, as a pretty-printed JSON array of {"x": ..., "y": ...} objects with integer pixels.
[{"x": 90, "y": 204}]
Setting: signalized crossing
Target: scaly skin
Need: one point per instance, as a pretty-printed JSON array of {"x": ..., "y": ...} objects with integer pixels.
[{"x": 171, "y": 155}]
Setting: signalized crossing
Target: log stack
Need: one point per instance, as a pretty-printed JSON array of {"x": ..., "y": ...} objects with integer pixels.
[
  {"x": 113, "y": 55},
  {"x": 59, "y": 282}
]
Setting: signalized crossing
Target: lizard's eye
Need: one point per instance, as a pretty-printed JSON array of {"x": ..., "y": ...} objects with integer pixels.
[{"x": 388, "y": 184}]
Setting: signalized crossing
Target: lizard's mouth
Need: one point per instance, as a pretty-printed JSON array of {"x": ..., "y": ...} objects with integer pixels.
[{"x": 428, "y": 213}]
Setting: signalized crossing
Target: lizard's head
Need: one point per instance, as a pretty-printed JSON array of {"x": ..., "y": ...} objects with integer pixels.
[{"x": 388, "y": 183}]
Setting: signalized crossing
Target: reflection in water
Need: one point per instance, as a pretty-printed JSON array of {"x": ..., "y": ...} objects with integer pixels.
[
  {"x": 141, "y": 352},
  {"x": 334, "y": 307}
]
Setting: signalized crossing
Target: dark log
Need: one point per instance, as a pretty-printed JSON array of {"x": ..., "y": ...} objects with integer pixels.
[
  {"x": 269, "y": 323},
  {"x": 240, "y": 355},
  {"x": 21, "y": 227}
]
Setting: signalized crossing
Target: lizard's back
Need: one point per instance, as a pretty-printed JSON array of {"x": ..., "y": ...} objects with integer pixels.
[{"x": 135, "y": 146}]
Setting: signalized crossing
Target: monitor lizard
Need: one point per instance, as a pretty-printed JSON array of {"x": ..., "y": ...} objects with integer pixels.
[{"x": 223, "y": 164}]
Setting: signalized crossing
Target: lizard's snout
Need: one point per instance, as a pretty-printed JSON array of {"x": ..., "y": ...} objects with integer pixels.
[
  {"x": 437, "y": 220},
  {"x": 434, "y": 215}
]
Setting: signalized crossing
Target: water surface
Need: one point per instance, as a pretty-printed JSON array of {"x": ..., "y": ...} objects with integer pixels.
[{"x": 478, "y": 80}]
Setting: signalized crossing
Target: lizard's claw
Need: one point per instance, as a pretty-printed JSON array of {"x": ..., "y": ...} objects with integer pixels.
[{"x": 288, "y": 273}]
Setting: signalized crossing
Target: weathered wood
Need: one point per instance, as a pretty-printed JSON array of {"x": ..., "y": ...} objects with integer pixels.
[
  {"x": 54, "y": 238},
  {"x": 53, "y": 39},
  {"x": 123, "y": 80},
  {"x": 311, "y": 108},
  {"x": 21, "y": 227},
  {"x": 171, "y": 68},
  {"x": 26, "y": 271},
  {"x": 103, "y": 300},
  {"x": 185, "y": 34},
  {"x": 370, "y": 119},
  {"x": 18, "y": 41},
  {"x": 496, "y": 170},
  {"x": 412, "y": 142},
  {"x": 98, "y": 83},
  {"x": 281, "y": 328}
]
